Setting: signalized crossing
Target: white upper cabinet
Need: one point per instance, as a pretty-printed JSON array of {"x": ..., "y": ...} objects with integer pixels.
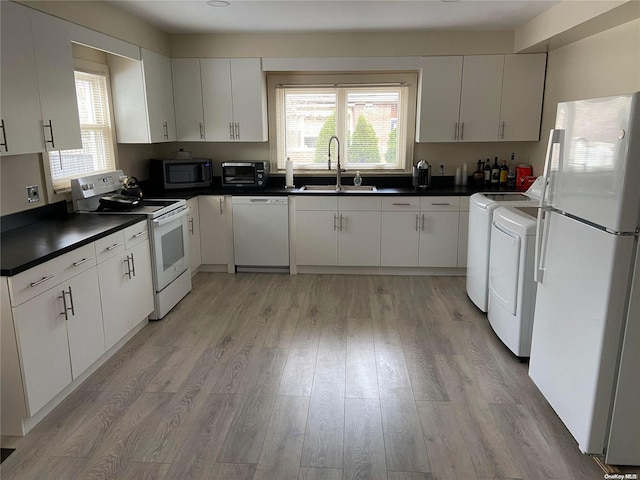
[
  {"x": 480, "y": 98},
  {"x": 439, "y": 99},
  {"x": 522, "y": 92},
  {"x": 143, "y": 98},
  {"x": 159, "y": 95},
  {"x": 21, "y": 125},
  {"x": 39, "y": 106},
  {"x": 187, "y": 99},
  {"x": 234, "y": 99}
]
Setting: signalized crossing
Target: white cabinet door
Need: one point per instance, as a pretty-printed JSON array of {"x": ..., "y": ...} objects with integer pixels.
[
  {"x": 249, "y": 100},
  {"x": 359, "y": 238},
  {"x": 159, "y": 96},
  {"x": 463, "y": 239},
  {"x": 234, "y": 100},
  {"x": 217, "y": 99},
  {"x": 140, "y": 286},
  {"x": 522, "y": 91},
  {"x": 214, "y": 234},
  {"x": 400, "y": 236},
  {"x": 115, "y": 295},
  {"x": 21, "y": 116},
  {"x": 44, "y": 352},
  {"x": 438, "y": 239},
  {"x": 56, "y": 82},
  {"x": 480, "y": 98},
  {"x": 439, "y": 105},
  {"x": 316, "y": 237},
  {"x": 187, "y": 99},
  {"x": 84, "y": 323},
  {"x": 193, "y": 224}
]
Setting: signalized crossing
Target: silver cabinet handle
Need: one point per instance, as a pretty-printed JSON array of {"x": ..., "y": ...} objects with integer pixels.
[
  {"x": 115, "y": 245},
  {"x": 423, "y": 223},
  {"x": 441, "y": 204},
  {"x": 455, "y": 131},
  {"x": 191, "y": 226},
  {"x": 80, "y": 262},
  {"x": 341, "y": 220},
  {"x": 4, "y": 137},
  {"x": 417, "y": 216},
  {"x": 401, "y": 204},
  {"x": 502, "y": 132},
  {"x": 165, "y": 128},
  {"x": 133, "y": 265},
  {"x": 335, "y": 221},
  {"x": 201, "y": 131},
  {"x": 64, "y": 303},
  {"x": 462, "y": 131},
  {"x": 139, "y": 234},
  {"x": 52, "y": 141},
  {"x": 42, "y": 280},
  {"x": 230, "y": 131},
  {"x": 237, "y": 131},
  {"x": 221, "y": 206},
  {"x": 129, "y": 272}
]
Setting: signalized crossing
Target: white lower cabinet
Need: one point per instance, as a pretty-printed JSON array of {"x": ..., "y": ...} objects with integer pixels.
[
  {"x": 126, "y": 288},
  {"x": 193, "y": 224},
  {"x": 438, "y": 239},
  {"x": 316, "y": 237},
  {"x": 214, "y": 232}
]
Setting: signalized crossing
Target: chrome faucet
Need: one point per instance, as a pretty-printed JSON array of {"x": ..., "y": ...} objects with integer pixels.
[{"x": 339, "y": 169}]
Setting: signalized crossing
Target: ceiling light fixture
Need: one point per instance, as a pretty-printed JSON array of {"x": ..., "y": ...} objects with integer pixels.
[{"x": 218, "y": 3}]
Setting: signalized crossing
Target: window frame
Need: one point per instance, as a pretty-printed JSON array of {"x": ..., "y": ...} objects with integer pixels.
[
  {"x": 94, "y": 68},
  {"x": 301, "y": 79}
]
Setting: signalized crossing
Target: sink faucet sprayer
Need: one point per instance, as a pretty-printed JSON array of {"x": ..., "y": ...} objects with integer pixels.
[{"x": 339, "y": 169}]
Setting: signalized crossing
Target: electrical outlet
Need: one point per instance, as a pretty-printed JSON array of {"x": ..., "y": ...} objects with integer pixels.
[
  {"x": 442, "y": 169},
  {"x": 33, "y": 195}
]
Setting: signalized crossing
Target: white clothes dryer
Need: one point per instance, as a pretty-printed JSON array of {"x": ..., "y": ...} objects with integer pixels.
[
  {"x": 512, "y": 290},
  {"x": 481, "y": 208}
]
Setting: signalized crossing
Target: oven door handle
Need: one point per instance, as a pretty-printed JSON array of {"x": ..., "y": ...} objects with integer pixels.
[{"x": 170, "y": 218}]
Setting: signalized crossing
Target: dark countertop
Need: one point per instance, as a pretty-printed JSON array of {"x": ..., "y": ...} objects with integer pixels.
[
  {"x": 32, "y": 244},
  {"x": 401, "y": 186}
]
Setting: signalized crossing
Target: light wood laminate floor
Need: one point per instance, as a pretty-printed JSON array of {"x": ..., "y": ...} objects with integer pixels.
[{"x": 309, "y": 377}]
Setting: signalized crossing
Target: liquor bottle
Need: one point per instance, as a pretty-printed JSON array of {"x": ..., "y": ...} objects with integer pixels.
[
  {"x": 504, "y": 173},
  {"x": 478, "y": 175},
  {"x": 487, "y": 172},
  {"x": 511, "y": 176},
  {"x": 495, "y": 172}
]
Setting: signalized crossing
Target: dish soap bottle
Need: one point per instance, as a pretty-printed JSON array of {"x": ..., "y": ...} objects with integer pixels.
[{"x": 357, "y": 180}]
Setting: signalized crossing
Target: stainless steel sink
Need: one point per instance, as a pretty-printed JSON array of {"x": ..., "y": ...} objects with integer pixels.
[{"x": 344, "y": 188}]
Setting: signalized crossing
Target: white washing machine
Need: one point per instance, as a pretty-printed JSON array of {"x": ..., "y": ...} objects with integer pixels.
[
  {"x": 512, "y": 290},
  {"x": 481, "y": 208}
]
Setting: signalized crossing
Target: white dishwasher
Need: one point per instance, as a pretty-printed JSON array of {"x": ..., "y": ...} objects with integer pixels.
[{"x": 261, "y": 233}]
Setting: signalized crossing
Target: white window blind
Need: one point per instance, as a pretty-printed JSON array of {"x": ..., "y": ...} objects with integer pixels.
[
  {"x": 370, "y": 120},
  {"x": 97, "y": 152}
]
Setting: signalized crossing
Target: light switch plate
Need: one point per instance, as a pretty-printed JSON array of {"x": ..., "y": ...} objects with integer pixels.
[{"x": 33, "y": 194}]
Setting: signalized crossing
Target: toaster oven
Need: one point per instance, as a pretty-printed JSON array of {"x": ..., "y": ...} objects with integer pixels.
[{"x": 245, "y": 174}]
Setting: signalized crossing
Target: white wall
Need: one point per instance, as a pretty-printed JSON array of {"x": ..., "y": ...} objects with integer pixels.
[{"x": 16, "y": 173}]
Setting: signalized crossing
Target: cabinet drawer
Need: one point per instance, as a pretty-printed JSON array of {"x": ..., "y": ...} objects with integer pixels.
[
  {"x": 372, "y": 204},
  {"x": 400, "y": 204},
  {"x": 135, "y": 234},
  {"x": 440, "y": 204},
  {"x": 77, "y": 261},
  {"x": 34, "y": 281},
  {"x": 316, "y": 203},
  {"x": 110, "y": 246}
]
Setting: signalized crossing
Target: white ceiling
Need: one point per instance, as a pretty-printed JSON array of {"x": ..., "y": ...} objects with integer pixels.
[{"x": 189, "y": 16}]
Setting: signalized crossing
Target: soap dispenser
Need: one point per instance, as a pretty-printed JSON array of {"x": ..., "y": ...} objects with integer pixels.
[{"x": 357, "y": 180}]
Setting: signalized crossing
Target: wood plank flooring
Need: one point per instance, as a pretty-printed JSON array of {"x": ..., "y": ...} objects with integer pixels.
[{"x": 308, "y": 377}]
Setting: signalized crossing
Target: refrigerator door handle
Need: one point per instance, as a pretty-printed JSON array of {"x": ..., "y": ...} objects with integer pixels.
[
  {"x": 555, "y": 136},
  {"x": 538, "y": 272}
]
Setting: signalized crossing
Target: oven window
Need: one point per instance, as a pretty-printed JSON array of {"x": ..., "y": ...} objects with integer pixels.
[
  {"x": 239, "y": 174},
  {"x": 172, "y": 247}
]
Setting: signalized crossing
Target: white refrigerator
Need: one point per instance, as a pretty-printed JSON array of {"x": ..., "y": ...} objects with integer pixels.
[{"x": 585, "y": 351}]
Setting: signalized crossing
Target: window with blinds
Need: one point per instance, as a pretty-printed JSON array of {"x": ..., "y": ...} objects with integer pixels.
[
  {"x": 97, "y": 153},
  {"x": 370, "y": 119}
]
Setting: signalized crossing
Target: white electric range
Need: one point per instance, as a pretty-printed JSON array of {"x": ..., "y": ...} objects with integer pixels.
[{"x": 167, "y": 225}]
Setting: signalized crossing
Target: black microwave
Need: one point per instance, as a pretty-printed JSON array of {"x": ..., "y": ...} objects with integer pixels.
[
  {"x": 245, "y": 174},
  {"x": 182, "y": 173}
]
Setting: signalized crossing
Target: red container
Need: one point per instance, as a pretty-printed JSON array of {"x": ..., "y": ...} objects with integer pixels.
[
  {"x": 527, "y": 182},
  {"x": 523, "y": 171}
]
